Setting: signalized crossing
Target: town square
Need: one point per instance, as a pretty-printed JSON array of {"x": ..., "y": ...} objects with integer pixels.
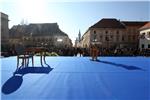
[{"x": 79, "y": 50}]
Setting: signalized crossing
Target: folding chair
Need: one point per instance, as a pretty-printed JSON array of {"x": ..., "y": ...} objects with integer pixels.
[{"x": 23, "y": 55}]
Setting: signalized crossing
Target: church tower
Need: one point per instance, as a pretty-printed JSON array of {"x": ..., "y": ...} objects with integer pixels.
[{"x": 79, "y": 36}]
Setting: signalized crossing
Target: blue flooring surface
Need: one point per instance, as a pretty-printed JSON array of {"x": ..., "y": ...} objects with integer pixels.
[{"x": 78, "y": 78}]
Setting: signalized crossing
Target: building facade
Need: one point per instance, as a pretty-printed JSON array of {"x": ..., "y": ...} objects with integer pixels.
[
  {"x": 4, "y": 30},
  {"x": 46, "y": 35},
  {"x": 112, "y": 33},
  {"x": 144, "y": 42},
  {"x": 132, "y": 30}
]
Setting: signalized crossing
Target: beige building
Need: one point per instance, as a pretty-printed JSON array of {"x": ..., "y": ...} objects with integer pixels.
[
  {"x": 112, "y": 33},
  {"x": 132, "y": 30},
  {"x": 4, "y": 30},
  {"x": 144, "y": 42},
  {"x": 46, "y": 34}
]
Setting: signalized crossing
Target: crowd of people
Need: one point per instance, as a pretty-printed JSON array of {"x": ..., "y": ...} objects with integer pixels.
[
  {"x": 92, "y": 51},
  {"x": 101, "y": 52}
]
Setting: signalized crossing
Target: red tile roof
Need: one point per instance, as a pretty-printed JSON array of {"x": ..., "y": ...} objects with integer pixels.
[
  {"x": 146, "y": 26},
  {"x": 108, "y": 23},
  {"x": 114, "y": 23},
  {"x": 134, "y": 23}
]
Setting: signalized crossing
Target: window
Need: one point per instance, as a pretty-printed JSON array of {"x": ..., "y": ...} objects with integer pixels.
[
  {"x": 101, "y": 37},
  {"x": 106, "y": 32},
  {"x": 122, "y": 38},
  {"x": 129, "y": 37},
  {"x": 94, "y": 36},
  {"x": 106, "y": 38},
  {"x": 94, "y": 32},
  {"x": 148, "y": 34},
  {"x": 133, "y": 37},
  {"x": 142, "y": 46},
  {"x": 111, "y": 36},
  {"x": 148, "y": 45},
  {"x": 117, "y": 32}
]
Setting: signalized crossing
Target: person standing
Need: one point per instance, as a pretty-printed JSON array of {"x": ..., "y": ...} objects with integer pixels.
[{"x": 94, "y": 52}]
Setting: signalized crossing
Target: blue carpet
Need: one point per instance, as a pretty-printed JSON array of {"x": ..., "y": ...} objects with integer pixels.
[{"x": 77, "y": 78}]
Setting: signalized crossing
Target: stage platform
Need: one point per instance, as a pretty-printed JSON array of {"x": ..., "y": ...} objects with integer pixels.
[{"x": 77, "y": 78}]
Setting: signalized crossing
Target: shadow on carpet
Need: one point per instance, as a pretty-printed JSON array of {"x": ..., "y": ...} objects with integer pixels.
[
  {"x": 14, "y": 82},
  {"x": 128, "y": 67}
]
